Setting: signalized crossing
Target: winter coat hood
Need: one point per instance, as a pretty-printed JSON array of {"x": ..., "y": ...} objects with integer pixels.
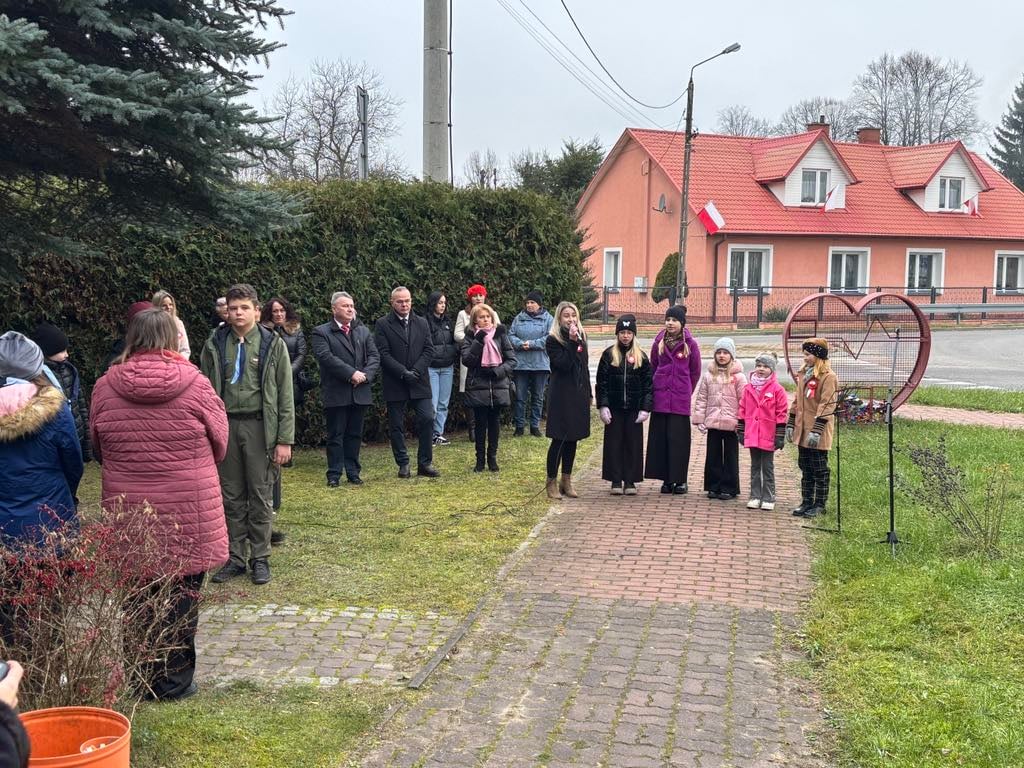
[
  {"x": 26, "y": 408},
  {"x": 152, "y": 377}
]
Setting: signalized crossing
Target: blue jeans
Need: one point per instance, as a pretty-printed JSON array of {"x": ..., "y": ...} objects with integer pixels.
[
  {"x": 530, "y": 382},
  {"x": 440, "y": 394}
]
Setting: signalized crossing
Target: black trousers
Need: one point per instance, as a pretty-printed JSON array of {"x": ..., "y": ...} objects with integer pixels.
[
  {"x": 169, "y": 679},
  {"x": 344, "y": 439},
  {"x": 424, "y": 410},
  {"x": 722, "y": 462},
  {"x": 815, "y": 475},
  {"x": 487, "y": 430},
  {"x": 622, "y": 457},
  {"x": 668, "y": 448},
  {"x": 564, "y": 452}
]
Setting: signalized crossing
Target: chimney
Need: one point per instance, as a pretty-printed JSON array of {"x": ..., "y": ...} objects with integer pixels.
[
  {"x": 869, "y": 135},
  {"x": 822, "y": 124}
]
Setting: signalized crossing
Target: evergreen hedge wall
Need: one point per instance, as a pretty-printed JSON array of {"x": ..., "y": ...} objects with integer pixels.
[{"x": 360, "y": 237}]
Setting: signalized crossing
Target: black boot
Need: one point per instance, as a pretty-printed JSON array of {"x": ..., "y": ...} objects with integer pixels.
[
  {"x": 820, "y": 498},
  {"x": 479, "y": 462},
  {"x": 492, "y": 463}
]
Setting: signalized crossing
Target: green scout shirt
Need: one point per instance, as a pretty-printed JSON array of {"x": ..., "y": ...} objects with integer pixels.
[{"x": 245, "y": 396}]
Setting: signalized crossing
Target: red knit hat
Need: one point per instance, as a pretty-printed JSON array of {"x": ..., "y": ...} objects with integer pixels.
[
  {"x": 475, "y": 290},
  {"x": 137, "y": 307}
]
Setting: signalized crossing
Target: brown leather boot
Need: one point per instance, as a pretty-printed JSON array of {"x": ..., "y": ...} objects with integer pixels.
[
  {"x": 566, "y": 487},
  {"x": 552, "y": 488}
]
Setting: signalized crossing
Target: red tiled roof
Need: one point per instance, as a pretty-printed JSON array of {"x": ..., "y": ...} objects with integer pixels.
[
  {"x": 724, "y": 170},
  {"x": 914, "y": 167},
  {"x": 775, "y": 159}
]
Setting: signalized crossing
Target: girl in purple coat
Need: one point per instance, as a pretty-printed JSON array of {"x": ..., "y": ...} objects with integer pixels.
[
  {"x": 675, "y": 362},
  {"x": 762, "y": 428}
]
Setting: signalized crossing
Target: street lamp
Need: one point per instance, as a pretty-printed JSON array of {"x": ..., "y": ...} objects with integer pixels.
[{"x": 684, "y": 218}]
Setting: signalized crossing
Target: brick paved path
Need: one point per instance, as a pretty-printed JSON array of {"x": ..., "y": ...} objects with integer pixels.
[
  {"x": 960, "y": 416},
  {"x": 287, "y": 644},
  {"x": 646, "y": 631}
]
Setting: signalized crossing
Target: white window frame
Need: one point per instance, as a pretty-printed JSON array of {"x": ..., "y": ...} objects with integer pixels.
[
  {"x": 938, "y": 270},
  {"x": 766, "y": 266},
  {"x": 616, "y": 285},
  {"x": 821, "y": 185},
  {"x": 944, "y": 187},
  {"x": 1019, "y": 255},
  {"x": 864, "y": 276}
]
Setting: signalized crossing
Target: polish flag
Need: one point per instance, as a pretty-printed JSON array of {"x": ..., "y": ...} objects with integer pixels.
[
  {"x": 711, "y": 218},
  {"x": 970, "y": 207},
  {"x": 836, "y": 197}
]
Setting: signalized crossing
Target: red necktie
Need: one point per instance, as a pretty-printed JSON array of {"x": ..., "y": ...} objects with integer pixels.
[{"x": 344, "y": 329}]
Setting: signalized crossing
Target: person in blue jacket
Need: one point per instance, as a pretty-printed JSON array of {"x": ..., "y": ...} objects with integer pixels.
[
  {"x": 528, "y": 334},
  {"x": 40, "y": 457}
]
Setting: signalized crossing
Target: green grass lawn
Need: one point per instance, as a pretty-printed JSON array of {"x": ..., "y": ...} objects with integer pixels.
[
  {"x": 414, "y": 545},
  {"x": 996, "y": 401},
  {"x": 920, "y": 657}
]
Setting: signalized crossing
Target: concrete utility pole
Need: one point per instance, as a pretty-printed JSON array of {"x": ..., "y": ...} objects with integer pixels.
[
  {"x": 435, "y": 90},
  {"x": 363, "y": 111}
]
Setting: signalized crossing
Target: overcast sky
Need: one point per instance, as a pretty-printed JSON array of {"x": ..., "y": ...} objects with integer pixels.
[{"x": 509, "y": 94}]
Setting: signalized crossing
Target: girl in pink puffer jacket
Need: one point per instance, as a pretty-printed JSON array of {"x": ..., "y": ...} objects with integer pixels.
[
  {"x": 716, "y": 413},
  {"x": 762, "y": 428}
]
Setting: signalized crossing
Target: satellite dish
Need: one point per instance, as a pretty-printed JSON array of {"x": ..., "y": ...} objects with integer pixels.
[{"x": 662, "y": 206}]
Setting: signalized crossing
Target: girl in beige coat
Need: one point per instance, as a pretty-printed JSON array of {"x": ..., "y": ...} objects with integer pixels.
[{"x": 811, "y": 424}]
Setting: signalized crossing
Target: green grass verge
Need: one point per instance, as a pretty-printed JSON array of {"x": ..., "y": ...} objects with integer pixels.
[
  {"x": 920, "y": 656},
  {"x": 255, "y": 727},
  {"x": 996, "y": 401},
  {"x": 413, "y": 544}
]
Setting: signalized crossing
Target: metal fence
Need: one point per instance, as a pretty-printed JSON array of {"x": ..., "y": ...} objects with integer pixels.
[{"x": 771, "y": 304}]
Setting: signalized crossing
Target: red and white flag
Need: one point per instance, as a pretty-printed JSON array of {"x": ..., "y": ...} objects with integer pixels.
[
  {"x": 711, "y": 218},
  {"x": 970, "y": 207},
  {"x": 836, "y": 197}
]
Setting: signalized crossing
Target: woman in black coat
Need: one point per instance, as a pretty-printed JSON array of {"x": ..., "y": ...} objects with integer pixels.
[
  {"x": 569, "y": 397},
  {"x": 489, "y": 359},
  {"x": 624, "y": 400}
]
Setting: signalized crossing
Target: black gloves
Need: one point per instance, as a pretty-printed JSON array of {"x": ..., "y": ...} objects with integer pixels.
[
  {"x": 411, "y": 377},
  {"x": 780, "y": 436},
  {"x": 480, "y": 336},
  {"x": 741, "y": 429}
]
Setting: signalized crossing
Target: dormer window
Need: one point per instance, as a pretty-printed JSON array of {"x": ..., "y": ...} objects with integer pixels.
[
  {"x": 951, "y": 193},
  {"x": 814, "y": 186}
]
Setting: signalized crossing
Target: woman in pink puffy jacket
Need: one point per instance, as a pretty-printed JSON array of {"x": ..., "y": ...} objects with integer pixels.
[
  {"x": 159, "y": 430},
  {"x": 715, "y": 412},
  {"x": 762, "y": 428}
]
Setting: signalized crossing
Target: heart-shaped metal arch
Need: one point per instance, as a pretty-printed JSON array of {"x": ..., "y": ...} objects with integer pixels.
[{"x": 905, "y": 383}]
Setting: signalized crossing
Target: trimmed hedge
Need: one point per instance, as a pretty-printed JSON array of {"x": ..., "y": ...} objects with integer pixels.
[{"x": 360, "y": 237}]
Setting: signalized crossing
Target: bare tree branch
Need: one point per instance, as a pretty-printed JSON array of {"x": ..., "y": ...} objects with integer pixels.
[{"x": 738, "y": 120}]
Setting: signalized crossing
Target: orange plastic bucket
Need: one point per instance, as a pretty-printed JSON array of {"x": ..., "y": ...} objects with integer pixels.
[{"x": 59, "y": 735}]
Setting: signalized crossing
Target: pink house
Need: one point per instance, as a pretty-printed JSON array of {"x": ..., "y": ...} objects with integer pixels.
[{"x": 930, "y": 221}]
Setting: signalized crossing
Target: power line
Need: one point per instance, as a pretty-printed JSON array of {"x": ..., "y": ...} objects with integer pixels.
[
  {"x": 610, "y": 99},
  {"x": 598, "y": 60}
]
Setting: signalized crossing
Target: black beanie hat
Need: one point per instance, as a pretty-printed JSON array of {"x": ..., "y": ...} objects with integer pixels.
[
  {"x": 535, "y": 296},
  {"x": 50, "y": 338},
  {"x": 677, "y": 311},
  {"x": 626, "y": 323}
]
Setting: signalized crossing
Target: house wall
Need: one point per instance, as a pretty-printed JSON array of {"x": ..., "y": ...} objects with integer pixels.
[{"x": 621, "y": 213}]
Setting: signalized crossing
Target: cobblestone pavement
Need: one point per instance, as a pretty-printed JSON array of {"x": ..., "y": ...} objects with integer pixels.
[
  {"x": 278, "y": 644},
  {"x": 636, "y": 631},
  {"x": 960, "y": 416}
]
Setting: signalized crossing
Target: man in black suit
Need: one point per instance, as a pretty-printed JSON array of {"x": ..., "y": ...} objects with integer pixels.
[
  {"x": 348, "y": 359},
  {"x": 403, "y": 340}
]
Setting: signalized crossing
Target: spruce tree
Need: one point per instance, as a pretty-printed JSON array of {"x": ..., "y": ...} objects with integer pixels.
[
  {"x": 1008, "y": 148},
  {"x": 130, "y": 112}
]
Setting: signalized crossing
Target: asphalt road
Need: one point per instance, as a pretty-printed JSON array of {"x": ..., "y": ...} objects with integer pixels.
[{"x": 969, "y": 358}]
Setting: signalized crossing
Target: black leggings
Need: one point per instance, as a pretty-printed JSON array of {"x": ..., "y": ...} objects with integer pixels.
[{"x": 564, "y": 450}]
